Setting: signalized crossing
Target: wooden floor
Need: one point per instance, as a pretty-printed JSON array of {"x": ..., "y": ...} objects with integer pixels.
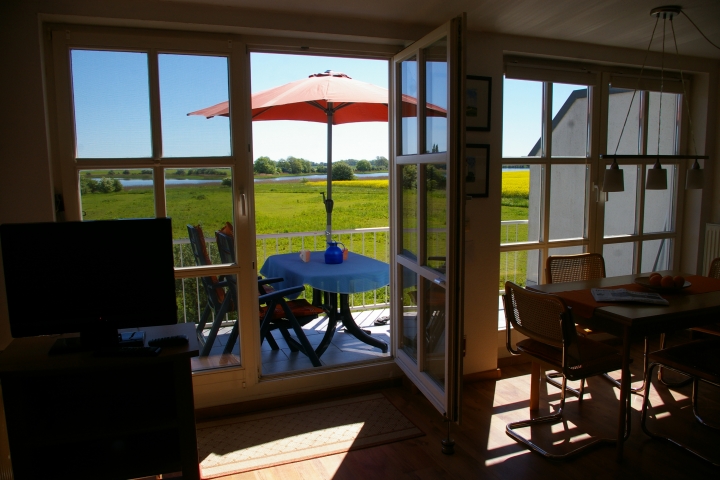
[{"x": 483, "y": 450}]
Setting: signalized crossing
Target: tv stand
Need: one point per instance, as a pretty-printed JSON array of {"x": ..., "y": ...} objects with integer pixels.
[{"x": 81, "y": 416}]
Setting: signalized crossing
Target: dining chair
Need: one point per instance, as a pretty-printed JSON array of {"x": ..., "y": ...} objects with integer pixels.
[
  {"x": 571, "y": 268},
  {"x": 710, "y": 329},
  {"x": 282, "y": 315},
  {"x": 552, "y": 343},
  {"x": 700, "y": 360},
  {"x": 584, "y": 266}
]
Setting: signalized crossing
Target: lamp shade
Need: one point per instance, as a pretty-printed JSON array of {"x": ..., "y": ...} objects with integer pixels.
[
  {"x": 613, "y": 180},
  {"x": 656, "y": 178},
  {"x": 695, "y": 177}
]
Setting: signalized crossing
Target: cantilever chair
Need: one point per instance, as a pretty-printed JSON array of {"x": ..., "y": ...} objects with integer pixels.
[
  {"x": 572, "y": 268},
  {"x": 700, "y": 360},
  {"x": 710, "y": 329},
  {"x": 277, "y": 312},
  {"x": 584, "y": 266},
  {"x": 553, "y": 343},
  {"x": 220, "y": 293}
]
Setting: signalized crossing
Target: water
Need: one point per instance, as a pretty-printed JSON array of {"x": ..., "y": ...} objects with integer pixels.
[
  {"x": 169, "y": 181},
  {"x": 189, "y": 181}
]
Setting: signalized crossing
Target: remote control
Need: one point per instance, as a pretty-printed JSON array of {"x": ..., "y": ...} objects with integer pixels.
[{"x": 173, "y": 341}]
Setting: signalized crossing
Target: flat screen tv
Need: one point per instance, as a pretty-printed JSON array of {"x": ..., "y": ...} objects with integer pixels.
[{"x": 91, "y": 277}]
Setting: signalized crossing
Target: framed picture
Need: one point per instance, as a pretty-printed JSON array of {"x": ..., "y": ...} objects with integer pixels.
[
  {"x": 477, "y": 169},
  {"x": 477, "y": 103}
]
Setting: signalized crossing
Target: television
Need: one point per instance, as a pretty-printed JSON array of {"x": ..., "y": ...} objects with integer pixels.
[{"x": 91, "y": 278}]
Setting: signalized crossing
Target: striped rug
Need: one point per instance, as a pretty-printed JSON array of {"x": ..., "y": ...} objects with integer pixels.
[{"x": 267, "y": 439}]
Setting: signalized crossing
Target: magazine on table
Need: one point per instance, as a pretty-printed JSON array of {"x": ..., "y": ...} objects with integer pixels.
[{"x": 623, "y": 295}]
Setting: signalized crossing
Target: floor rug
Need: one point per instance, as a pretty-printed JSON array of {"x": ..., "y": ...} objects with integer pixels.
[{"x": 283, "y": 436}]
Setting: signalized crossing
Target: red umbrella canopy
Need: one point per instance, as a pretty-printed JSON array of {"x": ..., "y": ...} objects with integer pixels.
[{"x": 308, "y": 100}]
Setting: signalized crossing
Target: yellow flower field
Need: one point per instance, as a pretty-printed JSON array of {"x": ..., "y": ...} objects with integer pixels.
[
  {"x": 516, "y": 184},
  {"x": 383, "y": 183}
]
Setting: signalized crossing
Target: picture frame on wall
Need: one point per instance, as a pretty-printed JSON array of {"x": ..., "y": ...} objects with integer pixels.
[
  {"x": 477, "y": 169},
  {"x": 477, "y": 103}
]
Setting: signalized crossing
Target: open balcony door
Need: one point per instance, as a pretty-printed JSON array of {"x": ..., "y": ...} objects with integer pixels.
[{"x": 427, "y": 212}]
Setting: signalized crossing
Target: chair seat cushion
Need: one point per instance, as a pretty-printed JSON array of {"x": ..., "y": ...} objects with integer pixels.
[
  {"x": 700, "y": 359},
  {"x": 588, "y": 359},
  {"x": 300, "y": 308}
]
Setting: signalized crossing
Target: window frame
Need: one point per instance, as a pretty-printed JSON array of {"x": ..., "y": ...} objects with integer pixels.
[{"x": 546, "y": 161}]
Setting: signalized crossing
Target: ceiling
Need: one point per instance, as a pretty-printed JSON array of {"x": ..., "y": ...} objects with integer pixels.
[{"x": 620, "y": 23}]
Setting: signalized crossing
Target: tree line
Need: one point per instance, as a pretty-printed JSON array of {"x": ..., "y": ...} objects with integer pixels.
[{"x": 297, "y": 166}]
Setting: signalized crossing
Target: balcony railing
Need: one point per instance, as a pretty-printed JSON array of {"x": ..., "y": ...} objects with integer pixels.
[{"x": 371, "y": 242}]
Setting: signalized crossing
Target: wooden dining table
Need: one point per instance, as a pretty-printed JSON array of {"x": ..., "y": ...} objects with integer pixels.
[{"x": 696, "y": 305}]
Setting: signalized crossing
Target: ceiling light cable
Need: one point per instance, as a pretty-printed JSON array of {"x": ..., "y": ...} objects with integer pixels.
[
  {"x": 698, "y": 29},
  {"x": 637, "y": 85}
]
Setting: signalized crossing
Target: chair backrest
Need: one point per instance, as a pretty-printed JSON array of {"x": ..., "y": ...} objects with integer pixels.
[
  {"x": 571, "y": 268},
  {"x": 539, "y": 316},
  {"x": 214, "y": 293},
  {"x": 197, "y": 245},
  {"x": 714, "y": 268},
  {"x": 226, "y": 247}
]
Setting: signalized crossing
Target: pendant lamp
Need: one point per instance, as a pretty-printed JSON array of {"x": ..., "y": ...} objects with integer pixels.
[{"x": 657, "y": 176}]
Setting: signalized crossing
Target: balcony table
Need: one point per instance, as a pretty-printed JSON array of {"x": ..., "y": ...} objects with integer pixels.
[
  {"x": 696, "y": 305},
  {"x": 356, "y": 274}
]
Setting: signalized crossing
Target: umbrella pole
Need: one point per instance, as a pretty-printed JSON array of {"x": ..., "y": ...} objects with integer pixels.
[{"x": 329, "y": 200}]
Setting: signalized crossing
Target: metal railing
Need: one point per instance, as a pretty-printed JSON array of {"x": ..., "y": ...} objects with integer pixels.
[
  {"x": 510, "y": 231},
  {"x": 371, "y": 242}
]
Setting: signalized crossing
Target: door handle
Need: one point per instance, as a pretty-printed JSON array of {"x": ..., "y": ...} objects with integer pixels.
[{"x": 243, "y": 205}]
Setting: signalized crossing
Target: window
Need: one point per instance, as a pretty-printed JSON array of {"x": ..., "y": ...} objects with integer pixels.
[
  {"x": 129, "y": 149},
  {"x": 544, "y": 177},
  {"x": 550, "y": 165},
  {"x": 639, "y": 224}
]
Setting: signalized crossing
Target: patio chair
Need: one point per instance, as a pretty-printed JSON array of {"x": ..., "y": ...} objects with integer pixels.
[
  {"x": 275, "y": 311},
  {"x": 220, "y": 298},
  {"x": 553, "y": 343},
  {"x": 700, "y": 360}
]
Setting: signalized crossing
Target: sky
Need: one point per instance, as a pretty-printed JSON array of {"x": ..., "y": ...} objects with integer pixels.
[{"x": 111, "y": 99}]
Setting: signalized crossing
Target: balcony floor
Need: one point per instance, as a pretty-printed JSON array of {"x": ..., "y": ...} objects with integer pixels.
[{"x": 343, "y": 349}]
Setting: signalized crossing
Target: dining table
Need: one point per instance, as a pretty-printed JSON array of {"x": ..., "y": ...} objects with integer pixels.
[
  {"x": 698, "y": 303},
  {"x": 358, "y": 273}
]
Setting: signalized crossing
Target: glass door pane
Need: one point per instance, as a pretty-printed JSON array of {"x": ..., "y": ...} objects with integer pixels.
[
  {"x": 111, "y": 100},
  {"x": 189, "y": 83},
  {"x": 436, "y": 94},
  {"x": 435, "y": 200},
  {"x": 409, "y": 122},
  {"x": 117, "y": 193}
]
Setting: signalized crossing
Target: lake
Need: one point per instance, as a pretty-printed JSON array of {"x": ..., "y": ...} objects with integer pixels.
[{"x": 125, "y": 182}]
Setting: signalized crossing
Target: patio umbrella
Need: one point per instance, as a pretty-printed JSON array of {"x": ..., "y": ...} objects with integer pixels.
[{"x": 332, "y": 98}]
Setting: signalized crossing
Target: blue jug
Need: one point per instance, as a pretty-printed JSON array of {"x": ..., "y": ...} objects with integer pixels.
[{"x": 334, "y": 254}]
